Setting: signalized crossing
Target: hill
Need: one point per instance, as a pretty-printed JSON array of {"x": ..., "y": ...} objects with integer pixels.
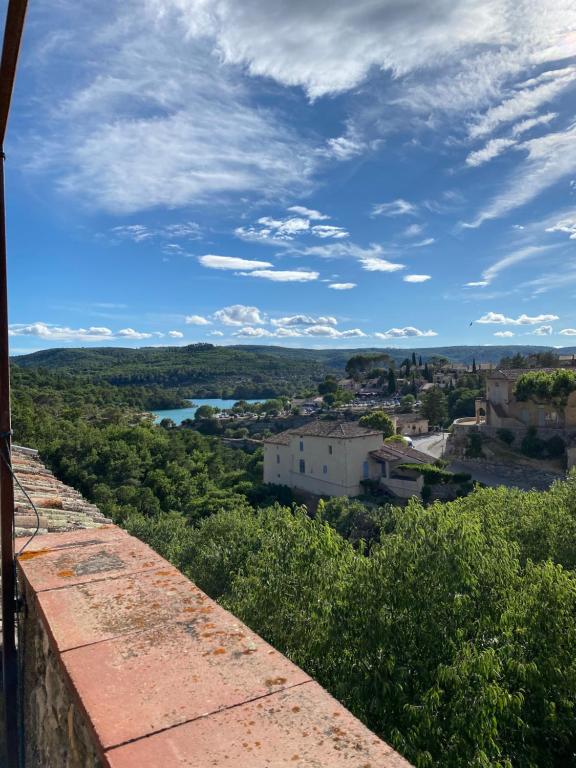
[{"x": 204, "y": 370}]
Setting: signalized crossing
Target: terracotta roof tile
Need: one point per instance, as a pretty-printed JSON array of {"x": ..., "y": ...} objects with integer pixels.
[{"x": 60, "y": 507}]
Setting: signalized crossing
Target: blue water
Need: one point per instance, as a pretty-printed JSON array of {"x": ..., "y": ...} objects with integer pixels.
[{"x": 179, "y": 414}]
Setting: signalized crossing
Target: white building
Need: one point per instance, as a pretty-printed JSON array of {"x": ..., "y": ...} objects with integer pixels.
[{"x": 329, "y": 458}]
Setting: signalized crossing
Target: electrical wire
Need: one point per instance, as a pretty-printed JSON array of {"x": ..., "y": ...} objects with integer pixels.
[{"x": 8, "y": 462}]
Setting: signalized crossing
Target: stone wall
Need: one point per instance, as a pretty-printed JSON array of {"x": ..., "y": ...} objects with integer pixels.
[
  {"x": 56, "y": 734},
  {"x": 524, "y": 476}
]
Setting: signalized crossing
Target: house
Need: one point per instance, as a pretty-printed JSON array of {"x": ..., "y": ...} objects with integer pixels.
[
  {"x": 410, "y": 424},
  {"x": 501, "y": 409},
  {"x": 330, "y": 458}
]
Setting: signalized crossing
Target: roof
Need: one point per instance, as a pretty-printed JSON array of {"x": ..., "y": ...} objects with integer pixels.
[
  {"x": 398, "y": 452},
  {"x": 60, "y": 507},
  {"x": 512, "y": 374},
  {"x": 409, "y": 417},
  {"x": 334, "y": 429}
]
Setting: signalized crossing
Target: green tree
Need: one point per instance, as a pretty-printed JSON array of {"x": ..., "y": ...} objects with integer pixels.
[
  {"x": 379, "y": 420},
  {"x": 434, "y": 407}
]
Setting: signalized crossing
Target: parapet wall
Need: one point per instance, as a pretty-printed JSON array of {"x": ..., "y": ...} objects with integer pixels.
[{"x": 129, "y": 665}]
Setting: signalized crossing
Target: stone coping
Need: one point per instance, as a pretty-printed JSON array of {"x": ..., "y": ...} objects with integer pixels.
[{"x": 163, "y": 675}]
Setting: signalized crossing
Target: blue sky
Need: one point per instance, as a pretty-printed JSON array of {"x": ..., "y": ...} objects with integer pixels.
[{"x": 320, "y": 173}]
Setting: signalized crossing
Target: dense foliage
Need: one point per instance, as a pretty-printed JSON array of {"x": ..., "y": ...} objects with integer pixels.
[
  {"x": 453, "y": 637},
  {"x": 546, "y": 385},
  {"x": 449, "y": 629}
]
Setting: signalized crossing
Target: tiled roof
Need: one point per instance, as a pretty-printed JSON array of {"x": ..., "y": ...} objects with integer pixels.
[
  {"x": 60, "y": 507},
  {"x": 512, "y": 374},
  {"x": 334, "y": 429},
  {"x": 398, "y": 452}
]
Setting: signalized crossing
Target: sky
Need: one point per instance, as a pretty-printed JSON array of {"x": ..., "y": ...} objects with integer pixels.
[{"x": 312, "y": 173}]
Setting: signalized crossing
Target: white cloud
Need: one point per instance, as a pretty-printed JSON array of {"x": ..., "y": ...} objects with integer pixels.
[
  {"x": 215, "y": 333},
  {"x": 416, "y": 278},
  {"x": 376, "y": 264},
  {"x": 496, "y": 318},
  {"x": 248, "y": 332},
  {"x": 196, "y": 320},
  {"x": 239, "y": 314},
  {"x": 176, "y": 126},
  {"x": 424, "y": 243},
  {"x": 308, "y": 213},
  {"x": 567, "y": 332},
  {"x": 566, "y": 225},
  {"x": 324, "y": 331},
  {"x": 544, "y": 330},
  {"x": 283, "y": 231},
  {"x": 130, "y": 333},
  {"x": 516, "y": 257},
  {"x": 477, "y": 284},
  {"x": 344, "y": 147},
  {"x": 342, "y": 286},
  {"x": 397, "y": 207},
  {"x": 413, "y": 230},
  {"x": 283, "y": 276},
  {"x": 505, "y": 334},
  {"x": 49, "y": 331},
  {"x": 324, "y": 231},
  {"x": 231, "y": 262},
  {"x": 332, "y": 333},
  {"x": 524, "y": 102},
  {"x": 176, "y": 334},
  {"x": 492, "y": 149},
  {"x": 325, "y": 47},
  {"x": 533, "y": 122},
  {"x": 550, "y": 158},
  {"x": 186, "y": 230},
  {"x": 304, "y": 320},
  {"x": 404, "y": 333}
]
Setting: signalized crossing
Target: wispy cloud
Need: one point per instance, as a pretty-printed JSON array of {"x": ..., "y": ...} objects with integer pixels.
[
  {"x": 376, "y": 264},
  {"x": 550, "y": 158},
  {"x": 492, "y": 149},
  {"x": 397, "y": 207},
  {"x": 342, "y": 286}
]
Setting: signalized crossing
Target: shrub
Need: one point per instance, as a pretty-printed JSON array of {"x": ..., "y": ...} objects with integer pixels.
[
  {"x": 546, "y": 385},
  {"x": 432, "y": 475},
  {"x": 506, "y": 436},
  {"x": 532, "y": 445},
  {"x": 461, "y": 477},
  {"x": 474, "y": 449},
  {"x": 555, "y": 446}
]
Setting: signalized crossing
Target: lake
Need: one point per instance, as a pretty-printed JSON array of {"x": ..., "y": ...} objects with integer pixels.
[{"x": 179, "y": 414}]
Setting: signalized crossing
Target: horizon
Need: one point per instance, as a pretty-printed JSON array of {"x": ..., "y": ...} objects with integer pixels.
[{"x": 176, "y": 173}]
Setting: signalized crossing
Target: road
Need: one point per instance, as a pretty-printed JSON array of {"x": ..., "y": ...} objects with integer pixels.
[{"x": 434, "y": 446}]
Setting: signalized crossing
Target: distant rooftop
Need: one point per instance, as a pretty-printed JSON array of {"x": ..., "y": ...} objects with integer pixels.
[
  {"x": 512, "y": 374},
  {"x": 60, "y": 507}
]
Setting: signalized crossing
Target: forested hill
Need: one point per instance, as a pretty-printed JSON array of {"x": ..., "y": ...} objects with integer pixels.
[
  {"x": 197, "y": 370},
  {"x": 204, "y": 370}
]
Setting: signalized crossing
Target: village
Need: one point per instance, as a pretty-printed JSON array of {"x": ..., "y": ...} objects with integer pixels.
[{"x": 385, "y": 435}]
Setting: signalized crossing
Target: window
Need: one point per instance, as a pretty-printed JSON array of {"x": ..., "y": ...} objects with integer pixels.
[
  {"x": 301, "y": 445},
  {"x": 330, "y": 450},
  {"x": 302, "y": 466},
  {"x": 325, "y": 469},
  {"x": 277, "y": 458},
  {"x": 365, "y": 470}
]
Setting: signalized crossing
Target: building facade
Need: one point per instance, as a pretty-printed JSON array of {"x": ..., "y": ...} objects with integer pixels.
[{"x": 327, "y": 458}]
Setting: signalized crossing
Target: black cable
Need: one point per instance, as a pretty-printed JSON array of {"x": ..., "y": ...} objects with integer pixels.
[{"x": 8, "y": 463}]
